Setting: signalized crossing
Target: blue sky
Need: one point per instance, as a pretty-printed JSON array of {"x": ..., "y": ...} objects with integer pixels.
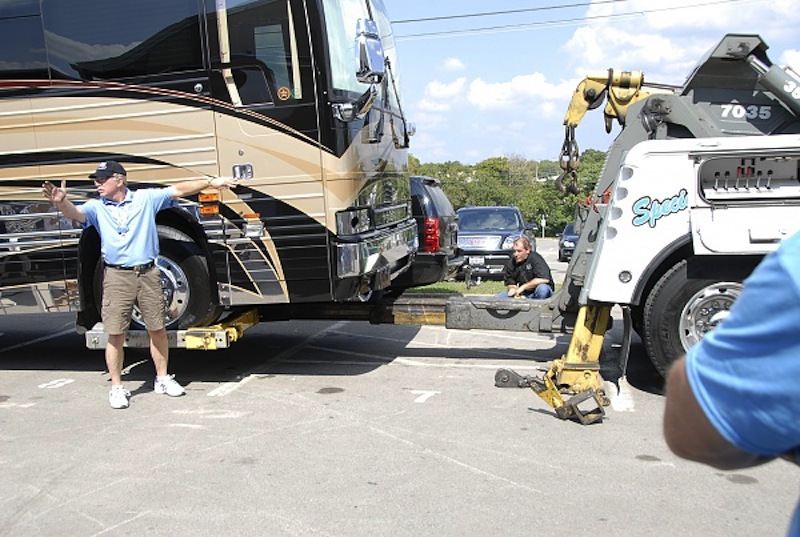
[{"x": 503, "y": 89}]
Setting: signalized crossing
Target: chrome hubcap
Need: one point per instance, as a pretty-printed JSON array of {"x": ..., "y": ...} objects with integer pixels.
[
  {"x": 175, "y": 287},
  {"x": 706, "y": 310}
]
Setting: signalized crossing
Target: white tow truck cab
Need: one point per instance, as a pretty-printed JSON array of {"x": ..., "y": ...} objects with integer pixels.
[
  {"x": 699, "y": 185},
  {"x": 687, "y": 221}
]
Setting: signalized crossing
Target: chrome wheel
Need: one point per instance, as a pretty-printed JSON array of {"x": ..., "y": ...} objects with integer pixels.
[
  {"x": 175, "y": 287},
  {"x": 679, "y": 311},
  {"x": 705, "y": 310},
  {"x": 185, "y": 283}
]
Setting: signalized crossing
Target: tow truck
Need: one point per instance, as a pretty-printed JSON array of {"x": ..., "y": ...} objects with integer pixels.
[
  {"x": 699, "y": 185},
  {"x": 702, "y": 181}
]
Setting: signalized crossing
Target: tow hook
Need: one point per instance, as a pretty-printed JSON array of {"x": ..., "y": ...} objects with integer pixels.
[{"x": 585, "y": 407}]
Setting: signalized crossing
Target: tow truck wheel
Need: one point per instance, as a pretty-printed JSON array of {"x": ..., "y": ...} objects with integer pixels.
[
  {"x": 185, "y": 282},
  {"x": 679, "y": 311}
]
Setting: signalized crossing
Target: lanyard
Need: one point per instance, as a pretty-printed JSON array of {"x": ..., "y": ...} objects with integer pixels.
[{"x": 121, "y": 215}]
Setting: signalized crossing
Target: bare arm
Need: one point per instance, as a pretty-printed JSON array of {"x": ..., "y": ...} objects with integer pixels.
[
  {"x": 689, "y": 433},
  {"x": 187, "y": 188},
  {"x": 58, "y": 196},
  {"x": 529, "y": 285}
]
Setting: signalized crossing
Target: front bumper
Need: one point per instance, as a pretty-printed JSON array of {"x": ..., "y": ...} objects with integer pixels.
[
  {"x": 427, "y": 269},
  {"x": 387, "y": 251},
  {"x": 485, "y": 264}
]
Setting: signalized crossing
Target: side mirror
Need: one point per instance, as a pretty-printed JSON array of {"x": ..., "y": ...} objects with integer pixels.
[{"x": 369, "y": 53}]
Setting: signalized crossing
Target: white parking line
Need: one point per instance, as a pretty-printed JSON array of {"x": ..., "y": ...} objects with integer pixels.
[
  {"x": 56, "y": 383},
  {"x": 424, "y": 395},
  {"x": 16, "y": 405}
]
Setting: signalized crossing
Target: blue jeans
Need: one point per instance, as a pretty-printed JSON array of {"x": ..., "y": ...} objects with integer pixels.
[{"x": 540, "y": 292}]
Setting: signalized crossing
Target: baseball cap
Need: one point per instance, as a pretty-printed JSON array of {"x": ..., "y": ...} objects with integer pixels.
[{"x": 107, "y": 169}]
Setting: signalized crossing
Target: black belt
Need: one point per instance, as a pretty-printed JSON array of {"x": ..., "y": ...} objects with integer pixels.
[{"x": 138, "y": 269}]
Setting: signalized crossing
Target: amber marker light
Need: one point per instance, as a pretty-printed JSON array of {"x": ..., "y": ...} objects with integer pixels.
[
  {"x": 211, "y": 197},
  {"x": 208, "y": 210}
]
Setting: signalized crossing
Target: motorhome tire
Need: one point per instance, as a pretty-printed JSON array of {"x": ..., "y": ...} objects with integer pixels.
[{"x": 185, "y": 280}]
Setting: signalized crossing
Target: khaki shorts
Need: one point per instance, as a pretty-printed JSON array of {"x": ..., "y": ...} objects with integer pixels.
[{"x": 124, "y": 288}]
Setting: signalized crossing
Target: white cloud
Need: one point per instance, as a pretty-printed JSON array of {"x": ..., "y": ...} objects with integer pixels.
[
  {"x": 511, "y": 96},
  {"x": 672, "y": 15},
  {"x": 792, "y": 59},
  {"x": 657, "y": 55},
  {"x": 523, "y": 90},
  {"x": 666, "y": 40},
  {"x": 428, "y": 121},
  {"x": 440, "y": 90},
  {"x": 550, "y": 110},
  {"x": 439, "y": 96},
  {"x": 453, "y": 64},
  {"x": 432, "y": 105}
]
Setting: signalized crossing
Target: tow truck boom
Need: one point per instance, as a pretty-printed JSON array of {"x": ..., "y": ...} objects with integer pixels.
[{"x": 619, "y": 90}]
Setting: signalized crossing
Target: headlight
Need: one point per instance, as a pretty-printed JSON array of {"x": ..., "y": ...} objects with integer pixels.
[
  {"x": 508, "y": 243},
  {"x": 569, "y": 244}
]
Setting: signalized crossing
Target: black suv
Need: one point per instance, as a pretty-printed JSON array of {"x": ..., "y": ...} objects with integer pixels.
[
  {"x": 567, "y": 240},
  {"x": 436, "y": 258},
  {"x": 486, "y": 238}
]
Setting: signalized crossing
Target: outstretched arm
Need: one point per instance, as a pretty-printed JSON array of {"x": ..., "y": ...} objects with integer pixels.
[
  {"x": 59, "y": 198},
  {"x": 187, "y": 188}
]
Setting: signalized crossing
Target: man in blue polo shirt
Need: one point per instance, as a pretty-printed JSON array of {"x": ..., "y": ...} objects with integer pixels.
[
  {"x": 126, "y": 222},
  {"x": 733, "y": 401}
]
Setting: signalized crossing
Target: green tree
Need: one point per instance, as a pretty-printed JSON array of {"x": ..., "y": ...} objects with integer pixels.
[
  {"x": 453, "y": 175},
  {"x": 514, "y": 180},
  {"x": 548, "y": 168},
  {"x": 592, "y": 162}
]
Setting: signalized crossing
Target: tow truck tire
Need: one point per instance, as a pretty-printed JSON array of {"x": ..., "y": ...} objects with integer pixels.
[
  {"x": 679, "y": 311},
  {"x": 185, "y": 281}
]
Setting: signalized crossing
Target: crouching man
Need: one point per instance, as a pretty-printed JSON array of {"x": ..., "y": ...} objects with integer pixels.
[{"x": 527, "y": 274}]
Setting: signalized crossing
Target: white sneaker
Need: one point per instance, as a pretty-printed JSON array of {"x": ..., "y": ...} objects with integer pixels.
[
  {"x": 169, "y": 386},
  {"x": 118, "y": 397}
]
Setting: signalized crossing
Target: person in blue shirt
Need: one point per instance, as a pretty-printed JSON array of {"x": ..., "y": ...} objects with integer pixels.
[
  {"x": 733, "y": 401},
  {"x": 126, "y": 222}
]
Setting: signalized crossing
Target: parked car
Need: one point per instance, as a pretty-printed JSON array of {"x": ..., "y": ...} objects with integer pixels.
[
  {"x": 486, "y": 238},
  {"x": 437, "y": 257},
  {"x": 566, "y": 242}
]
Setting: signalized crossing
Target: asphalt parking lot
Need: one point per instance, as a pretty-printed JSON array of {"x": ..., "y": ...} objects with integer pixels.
[{"x": 347, "y": 429}]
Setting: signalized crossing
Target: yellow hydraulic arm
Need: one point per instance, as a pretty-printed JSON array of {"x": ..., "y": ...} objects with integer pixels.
[
  {"x": 577, "y": 373},
  {"x": 619, "y": 89}
]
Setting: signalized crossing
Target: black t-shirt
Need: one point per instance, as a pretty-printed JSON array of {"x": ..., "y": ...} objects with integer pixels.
[{"x": 533, "y": 267}]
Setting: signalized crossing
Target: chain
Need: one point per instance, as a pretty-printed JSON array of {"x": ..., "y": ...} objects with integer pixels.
[{"x": 570, "y": 161}]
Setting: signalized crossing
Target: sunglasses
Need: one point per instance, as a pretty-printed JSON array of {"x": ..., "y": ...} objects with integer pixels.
[{"x": 101, "y": 180}]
